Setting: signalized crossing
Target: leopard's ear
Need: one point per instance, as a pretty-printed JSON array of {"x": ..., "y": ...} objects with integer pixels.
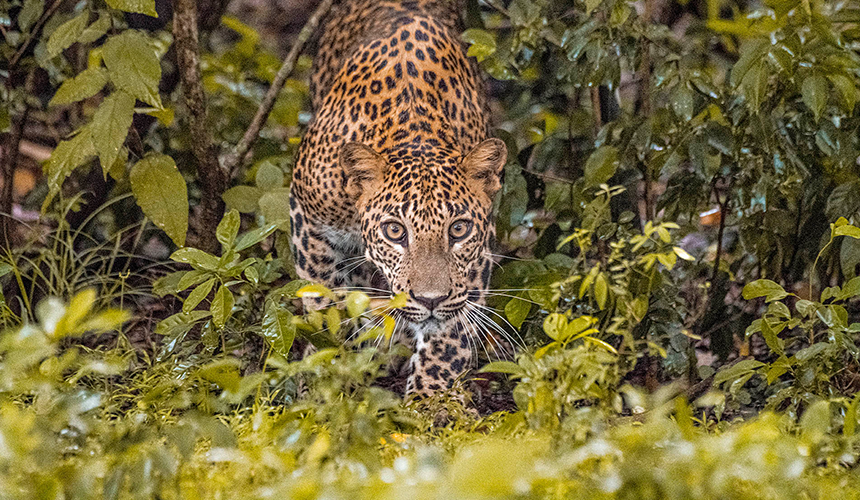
[
  {"x": 484, "y": 164},
  {"x": 363, "y": 169}
]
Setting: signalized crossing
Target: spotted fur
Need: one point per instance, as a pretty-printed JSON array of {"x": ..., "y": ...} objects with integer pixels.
[{"x": 400, "y": 138}]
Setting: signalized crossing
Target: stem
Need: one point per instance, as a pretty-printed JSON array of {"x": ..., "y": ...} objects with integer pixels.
[
  {"x": 724, "y": 206},
  {"x": 34, "y": 34},
  {"x": 10, "y": 162},
  {"x": 234, "y": 160},
  {"x": 213, "y": 180},
  {"x": 595, "y": 109}
]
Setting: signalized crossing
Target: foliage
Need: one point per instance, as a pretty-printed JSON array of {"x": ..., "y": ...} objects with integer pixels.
[{"x": 666, "y": 161}]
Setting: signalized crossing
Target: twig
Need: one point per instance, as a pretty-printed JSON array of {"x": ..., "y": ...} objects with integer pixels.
[
  {"x": 10, "y": 161},
  {"x": 213, "y": 179},
  {"x": 34, "y": 33},
  {"x": 234, "y": 159}
]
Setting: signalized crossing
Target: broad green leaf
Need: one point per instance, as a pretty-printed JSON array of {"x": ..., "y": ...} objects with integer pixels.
[
  {"x": 764, "y": 288},
  {"x": 96, "y": 30},
  {"x": 67, "y": 156},
  {"x": 776, "y": 344},
  {"x": 751, "y": 53},
  {"x": 110, "y": 127},
  {"x": 356, "y": 303},
  {"x": 269, "y": 176},
  {"x": 29, "y": 13},
  {"x": 847, "y": 90},
  {"x": 517, "y": 310},
  {"x": 133, "y": 66},
  {"x": 508, "y": 367},
  {"x": 191, "y": 278},
  {"x": 79, "y": 307},
  {"x": 146, "y": 7},
  {"x": 197, "y": 295},
  {"x": 815, "y": 421},
  {"x": 196, "y": 258},
  {"x": 67, "y": 33},
  {"x": 554, "y": 325},
  {"x": 683, "y": 103},
  {"x": 601, "y": 291},
  {"x": 228, "y": 229},
  {"x": 601, "y": 165},
  {"x": 275, "y": 207},
  {"x": 161, "y": 193},
  {"x": 222, "y": 306},
  {"x": 225, "y": 372},
  {"x": 87, "y": 84},
  {"x": 254, "y": 236},
  {"x": 847, "y": 230},
  {"x": 278, "y": 328},
  {"x": 168, "y": 284},
  {"x": 243, "y": 198},
  {"x": 482, "y": 44},
  {"x": 814, "y": 91},
  {"x": 850, "y": 424},
  {"x": 314, "y": 290},
  {"x": 577, "y": 326},
  {"x": 739, "y": 369}
]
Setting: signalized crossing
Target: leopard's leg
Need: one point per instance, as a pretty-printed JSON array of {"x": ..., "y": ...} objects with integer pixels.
[
  {"x": 322, "y": 254},
  {"x": 439, "y": 359}
]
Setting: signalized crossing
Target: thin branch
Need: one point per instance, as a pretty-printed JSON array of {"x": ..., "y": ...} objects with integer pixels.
[
  {"x": 34, "y": 33},
  {"x": 213, "y": 180},
  {"x": 10, "y": 161},
  {"x": 234, "y": 160}
]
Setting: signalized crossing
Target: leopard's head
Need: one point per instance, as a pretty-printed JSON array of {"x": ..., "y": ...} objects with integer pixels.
[{"x": 426, "y": 221}]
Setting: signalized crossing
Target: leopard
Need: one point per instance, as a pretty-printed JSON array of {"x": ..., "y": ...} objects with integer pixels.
[{"x": 395, "y": 176}]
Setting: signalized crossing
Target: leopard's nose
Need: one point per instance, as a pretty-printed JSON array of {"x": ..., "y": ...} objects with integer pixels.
[{"x": 430, "y": 301}]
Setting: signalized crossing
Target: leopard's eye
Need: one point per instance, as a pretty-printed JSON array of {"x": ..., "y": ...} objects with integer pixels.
[
  {"x": 459, "y": 230},
  {"x": 394, "y": 231}
]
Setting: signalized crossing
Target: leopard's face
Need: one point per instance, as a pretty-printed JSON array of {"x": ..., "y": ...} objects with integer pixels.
[{"x": 426, "y": 222}]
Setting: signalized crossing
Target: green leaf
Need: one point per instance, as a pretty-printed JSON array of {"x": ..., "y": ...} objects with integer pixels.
[
  {"x": 275, "y": 207},
  {"x": 110, "y": 127},
  {"x": 255, "y": 236},
  {"x": 738, "y": 370},
  {"x": 146, "y": 7},
  {"x": 356, "y": 303},
  {"x": 161, "y": 193},
  {"x": 847, "y": 230},
  {"x": 482, "y": 44},
  {"x": 517, "y": 310},
  {"x": 222, "y": 306},
  {"x": 775, "y": 343},
  {"x": 197, "y": 295},
  {"x": 683, "y": 103},
  {"x": 67, "y": 33},
  {"x": 228, "y": 229},
  {"x": 814, "y": 92},
  {"x": 764, "y": 288},
  {"x": 554, "y": 325},
  {"x": 67, "y": 156},
  {"x": 243, "y": 198},
  {"x": 29, "y": 13},
  {"x": 269, "y": 177},
  {"x": 87, "y": 84},
  {"x": 278, "y": 328},
  {"x": 601, "y": 165},
  {"x": 601, "y": 291},
  {"x": 850, "y": 424},
  {"x": 96, "y": 30},
  {"x": 847, "y": 91},
  {"x": 508, "y": 367},
  {"x": 196, "y": 258},
  {"x": 133, "y": 65}
]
